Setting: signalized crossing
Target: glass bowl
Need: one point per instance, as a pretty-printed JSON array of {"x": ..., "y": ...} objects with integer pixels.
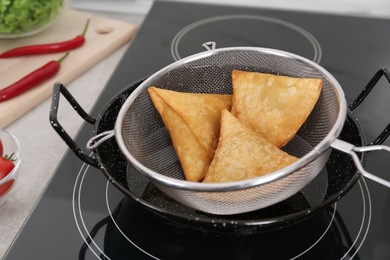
[
  {"x": 20, "y": 18},
  {"x": 10, "y": 145}
]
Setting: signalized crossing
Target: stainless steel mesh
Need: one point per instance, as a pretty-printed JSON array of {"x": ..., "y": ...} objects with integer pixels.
[{"x": 145, "y": 142}]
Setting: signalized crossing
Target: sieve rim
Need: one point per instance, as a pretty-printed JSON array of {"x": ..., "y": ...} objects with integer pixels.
[{"x": 320, "y": 148}]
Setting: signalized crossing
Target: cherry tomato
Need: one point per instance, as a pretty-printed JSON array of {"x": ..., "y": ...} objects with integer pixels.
[
  {"x": 1, "y": 148},
  {"x": 6, "y": 166},
  {"x": 5, "y": 187}
]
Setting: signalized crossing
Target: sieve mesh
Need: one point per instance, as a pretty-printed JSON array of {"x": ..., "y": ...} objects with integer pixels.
[
  {"x": 146, "y": 139},
  {"x": 245, "y": 200}
]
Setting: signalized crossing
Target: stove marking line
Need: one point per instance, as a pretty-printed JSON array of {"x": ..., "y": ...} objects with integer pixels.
[
  {"x": 117, "y": 226},
  {"x": 82, "y": 220},
  {"x": 369, "y": 217},
  {"x": 74, "y": 208},
  {"x": 175, "y": 42},
  {"x": 309, "y": 248},
  {"x": 360, "y": 229},
  {"x": 319, "y": 239},
  {"x": 109, "y": 210},
  {"x": 80, "y": 214},
  {"x": 361, "y": 226},
  {"x": 302, "y": 253}
]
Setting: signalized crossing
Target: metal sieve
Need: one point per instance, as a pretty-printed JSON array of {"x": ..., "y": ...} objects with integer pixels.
[{"x": 142, "y": 138}]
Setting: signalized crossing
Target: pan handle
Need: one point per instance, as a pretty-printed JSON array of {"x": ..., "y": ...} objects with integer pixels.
[
  {"x": 58, "y": 89},
  {"x": 376, "y": 144},
  {"x": 352, "y": 150},
  {"x": 366, "y": 90}
]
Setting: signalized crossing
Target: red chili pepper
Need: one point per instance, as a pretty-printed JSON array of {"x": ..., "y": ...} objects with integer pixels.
[
  {"x": 31, "y": 80},
  {"x": 47, "y": 48}
]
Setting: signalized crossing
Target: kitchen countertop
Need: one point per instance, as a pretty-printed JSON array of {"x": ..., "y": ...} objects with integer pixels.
[{"x": 42, "y": 147}]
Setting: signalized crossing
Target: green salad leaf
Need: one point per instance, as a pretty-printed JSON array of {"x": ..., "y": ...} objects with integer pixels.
[{"x": 19, "y": 16}]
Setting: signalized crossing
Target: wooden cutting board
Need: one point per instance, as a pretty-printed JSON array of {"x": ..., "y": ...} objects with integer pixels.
[{"x": 103, "y": 37}]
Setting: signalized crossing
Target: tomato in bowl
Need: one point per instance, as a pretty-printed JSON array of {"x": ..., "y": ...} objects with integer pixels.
[{"x": 10, "y": 158}]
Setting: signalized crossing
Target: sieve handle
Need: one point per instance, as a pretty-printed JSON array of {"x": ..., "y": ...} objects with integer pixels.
[
  {"x": 59, "y": 89},
  {"x": 366, "y": 90},
  {"x": 352, "y": 150},
  {"x": 208, "y": 46},
  {"x": 98, "y": 139}
]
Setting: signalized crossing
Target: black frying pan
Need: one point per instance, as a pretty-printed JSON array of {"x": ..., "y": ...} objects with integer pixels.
[{"x": 335, "y": 180}]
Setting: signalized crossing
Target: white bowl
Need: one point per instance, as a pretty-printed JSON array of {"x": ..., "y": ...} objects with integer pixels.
[
  {"x": 27, "y": 18},
  {"x": 10, "y": 145}
]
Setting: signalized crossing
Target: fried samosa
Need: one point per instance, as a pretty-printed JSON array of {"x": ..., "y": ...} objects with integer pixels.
[
  {"x": 274, "y": 106},
  {"x": 193, "y": 123},
  {"x": 242, "y": 153}
]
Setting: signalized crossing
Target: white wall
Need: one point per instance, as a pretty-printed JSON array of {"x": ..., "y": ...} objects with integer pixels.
[{"x": 377, "y": 8}]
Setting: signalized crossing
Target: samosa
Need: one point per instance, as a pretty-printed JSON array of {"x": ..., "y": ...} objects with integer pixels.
[
  {"x": 272, "y": 105},
  {"x": 193, "y": 123},
  {"x": 243, "y": 154}
]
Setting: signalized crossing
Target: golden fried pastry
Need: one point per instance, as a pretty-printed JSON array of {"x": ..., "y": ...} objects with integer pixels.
[
  {"x": 274, "y": 106},
  {"x": 242, "y": 153},
  {"x": 193, "y": 122}
]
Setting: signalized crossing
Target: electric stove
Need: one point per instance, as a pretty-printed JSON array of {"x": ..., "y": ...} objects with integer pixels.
[{"x": 82, "y": 215}]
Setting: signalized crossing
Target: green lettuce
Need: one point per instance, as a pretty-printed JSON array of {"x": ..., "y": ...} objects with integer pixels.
[{"x": 20, "y": 16}]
